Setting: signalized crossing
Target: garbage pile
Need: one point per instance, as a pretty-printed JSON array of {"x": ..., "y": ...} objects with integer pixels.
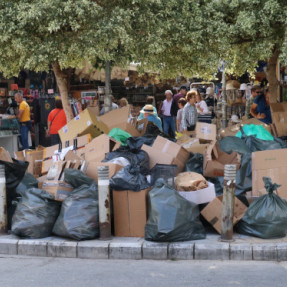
[{"x": 160, "y": 189}]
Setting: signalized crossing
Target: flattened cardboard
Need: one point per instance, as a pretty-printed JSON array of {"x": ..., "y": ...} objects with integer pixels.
[
  {"x": 35, "y": 159},
  {"x": 130, "y": 212},
  {"x": 200, "y": 196},
  {"x": 5, "y": 155},
  {"x": 272, "y": 164},
  {"x": 279, "y": 117},
  {"x": 99, "y": 146},
  {"x": 213, "y": 212},
  {"x": 194, "y": 145},
  {"x": 59, "y": 189},
  {"x": 205, "y": 131},
  {"x": 91, "y": 169},
  {"x": 214, "y": 160}
]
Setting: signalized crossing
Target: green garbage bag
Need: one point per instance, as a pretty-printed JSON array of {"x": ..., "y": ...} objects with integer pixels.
[
  {"x": 119, "y": 135},
  {"x": 266, "y": 217},
  {"x": 256, "y": 130}
]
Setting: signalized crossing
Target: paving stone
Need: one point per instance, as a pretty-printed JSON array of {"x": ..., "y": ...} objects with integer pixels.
[
  {"x": 181, "y": 250},
  {"x": 155, "y": 250},
  {"x": 125, "y": 250},
  {"x": 281, "y": 251},
  {"x": 267, "y": 252},
  {"x": 94, "y": 249},
  {"x": 59, "y": 248},
  {"x": 215, "y": 251},
  {"x": 32, "y": 247},
  {"x": 8, "y": 244},
  {"x": 240, "y": 251}
]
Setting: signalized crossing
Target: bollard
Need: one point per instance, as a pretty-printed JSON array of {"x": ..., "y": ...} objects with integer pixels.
[
  {"x": 228, "y": 202},
  {"x": 3, "y": 202},
  {"x": 104, "y": 202}
]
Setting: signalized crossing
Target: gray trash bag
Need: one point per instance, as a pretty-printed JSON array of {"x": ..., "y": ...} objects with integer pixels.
[
  {"x": 266, "y": 217},
  {"x": 79, "y": 216},
  {"x": 195, "y": 163},
  {"x": 28, "y": 181},
  {"x": 231, "y": 144},
  {"x": 129, "y": 178},
  {"x": 171, "y": 217},
  {"x": 35, "y": 214}
]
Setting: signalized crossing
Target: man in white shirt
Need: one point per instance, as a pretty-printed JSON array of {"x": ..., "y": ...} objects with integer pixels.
[{"x": 168, "y": 119}]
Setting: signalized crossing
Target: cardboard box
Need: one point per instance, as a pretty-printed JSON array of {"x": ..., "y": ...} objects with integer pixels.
[
  {"x": 279, "y": 117},
  {"x": 214, "y": 160},
  {"x": 205, "y": 131},
  {"x": 84, "y": 123},
  {"x": 213, "y": 212},
  {"x": 200, "y": 196},
  {"x": 96, "y": 150},
  {"x": 164, "y": 151},
  {"x": 91, "y": 169},
  {"x": 195, "y": 145},
  {"x": 130, "y": 212},
  {"x": 233, "y": 130},
  {"x": 5, "y": 155},
  {"x": 35, "y": 159},
  {"x": 273, "y": 164},
  {"x": 59, "y": 189}
]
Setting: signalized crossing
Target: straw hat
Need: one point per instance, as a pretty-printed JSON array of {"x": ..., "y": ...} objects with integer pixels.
[
  {"x": 232, "y": 85},
  {"x": 148, "y": 109}
]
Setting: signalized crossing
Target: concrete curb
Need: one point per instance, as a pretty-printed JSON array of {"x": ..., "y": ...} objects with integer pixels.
[{"x": 243, "y": 248}]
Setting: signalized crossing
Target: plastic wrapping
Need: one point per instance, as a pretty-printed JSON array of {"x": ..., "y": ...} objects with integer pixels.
[
  {"x": 35, "y": 214},
  {"x": 266, "y": 217},
  {"x": 119, "y": 135},
  {"x": 129, "y": 178},
  {"x": 171, "y": 217},
  {"x": 79, "y": 216},
  {"x": 255, "y": 130},
  {"x": 195, "y": 163}
]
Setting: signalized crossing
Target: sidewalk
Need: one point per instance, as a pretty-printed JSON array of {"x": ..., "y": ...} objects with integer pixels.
[{"x": 243, "y": 248}]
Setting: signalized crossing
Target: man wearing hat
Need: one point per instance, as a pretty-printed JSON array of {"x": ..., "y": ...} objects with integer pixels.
[{"x": 148, "y": 112}]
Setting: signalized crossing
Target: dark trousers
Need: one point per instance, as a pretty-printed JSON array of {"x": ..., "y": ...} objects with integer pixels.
[
  {"x": 169, "y": 125},
  {"x": 191, "y": 128},
  {"x": 55, "y": 139}
]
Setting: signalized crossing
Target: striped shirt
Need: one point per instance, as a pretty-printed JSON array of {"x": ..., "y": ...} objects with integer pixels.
[{"x": 189, "y": 116}]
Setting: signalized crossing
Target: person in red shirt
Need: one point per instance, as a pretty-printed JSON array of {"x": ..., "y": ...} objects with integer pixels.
[{"x": 56, "y": 120}]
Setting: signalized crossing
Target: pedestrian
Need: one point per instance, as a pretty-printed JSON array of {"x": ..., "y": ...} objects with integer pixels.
[
  {"x": 255, "y": 91},
  {"x": 189, "y": 114},
  {"x": 148, "y": 113},
  {"x": 168, "y": 117},
  {"x": 204, "y": 115},
  {"x": 123, "y": 102},
  {"x": 149, "y": 101},
  {"x": 181, "y": 104},
  {"x": 114, "y": 106},
  {"x": 56, "y": 120},
  {"x": 24, "y": 119},
  {"x": 260, "y": 109}
]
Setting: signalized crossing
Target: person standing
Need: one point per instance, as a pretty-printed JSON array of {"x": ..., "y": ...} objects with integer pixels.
[
  {"x": 181, "y": 104},
  {"x": 255, "y": 91},
  {"x": 189, "y": 114},
  {"x": 177, "y": 97},
  {"x": 168, "y": 118},
  {"x": 24, "y": 119},
  {"x": 56, "y": 120},
  {"x": 151, "y": 116}
]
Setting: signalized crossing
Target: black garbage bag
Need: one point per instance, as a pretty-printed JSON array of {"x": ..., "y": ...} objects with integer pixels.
[
  {"x": 153, "y": 131},
  {"x": 244, "y": 175},
  {"x": 28, "y": 181},
  {"x": 136, "y": 157},
  {"x": 129, "y": 178},
  {"x": 137, "y": 142},
  {"x": 195, "y": 163},
  {"x": 231, "y": 144},
  {"x": 171, "y": 217},
  {"x": 255, "y": 144},
  {"x": 218, "y": 184},
  {"x": 266, "y": 217},
  {"x": 14, "y": 172},
  {"x": 35, "y": 214},
  {"x": 79, "y": 216}
]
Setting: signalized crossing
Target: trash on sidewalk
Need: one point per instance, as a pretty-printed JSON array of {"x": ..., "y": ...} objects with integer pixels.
[
  {"x": 279, "y": 118},
  {"x": 171, "y": 217},
  {"x": 266, "y": 217}
]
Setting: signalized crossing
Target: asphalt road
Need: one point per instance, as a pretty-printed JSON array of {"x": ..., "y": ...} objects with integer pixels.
[{"x": 50, "y": 272}]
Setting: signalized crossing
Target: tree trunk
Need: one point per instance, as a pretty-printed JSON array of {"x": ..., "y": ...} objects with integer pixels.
[
  {"x": 62, "y": 82},
  {"x": 108, "y": 92},
  {"x": 274, "y": 86}
]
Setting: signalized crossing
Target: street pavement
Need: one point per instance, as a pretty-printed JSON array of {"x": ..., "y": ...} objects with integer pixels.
[{"x": 61, "y": 272}]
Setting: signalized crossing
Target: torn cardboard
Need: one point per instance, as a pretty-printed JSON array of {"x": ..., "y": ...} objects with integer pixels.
[
  {"x": 130, "y": 213},
  {"x": 59, "y": 189},
  {"x": 195, "y": 145},
  {"x": 213, "y": 212},
  {"x": 5, "y": 155},
  {"x": 273, "y": 164},
  {"x": 214, "y": 160},
  {"x": 279, "y": 118}
]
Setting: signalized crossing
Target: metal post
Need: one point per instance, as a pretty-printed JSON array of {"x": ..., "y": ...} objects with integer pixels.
[
  {"x": 228, "y": 202},
  {"x": 224, "y": 100},
  {"x": 108, "y": 92},
  {"x": 3, "y": 202},
  {"x": 104, "y": 202}
]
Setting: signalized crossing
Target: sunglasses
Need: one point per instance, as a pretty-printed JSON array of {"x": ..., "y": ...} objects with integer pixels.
[{"x": 258, "y": 92}]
